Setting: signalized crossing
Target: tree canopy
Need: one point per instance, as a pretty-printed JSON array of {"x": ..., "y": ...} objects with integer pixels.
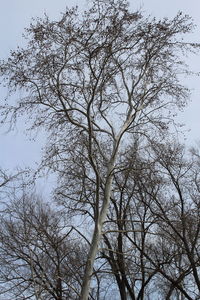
[{"x": 105, "y": 85}]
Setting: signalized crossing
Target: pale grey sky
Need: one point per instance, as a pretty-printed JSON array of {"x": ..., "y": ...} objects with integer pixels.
[{"x": 15, "y": 148}]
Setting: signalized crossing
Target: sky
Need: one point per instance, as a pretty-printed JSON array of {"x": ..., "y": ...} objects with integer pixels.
[{"x": 19, "y": 150}]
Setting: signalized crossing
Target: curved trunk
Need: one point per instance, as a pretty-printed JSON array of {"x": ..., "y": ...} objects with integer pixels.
[{"x": 97, "y": 234}]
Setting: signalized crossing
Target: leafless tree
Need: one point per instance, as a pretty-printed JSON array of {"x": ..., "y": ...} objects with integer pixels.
[
  {"x": 144, "y": 244},
  {"x": 38, "y": 257},
  {"x": 179, "y": 215},
  {"x": 175, "y": 207},
  {"x": 95, "y": 82}
]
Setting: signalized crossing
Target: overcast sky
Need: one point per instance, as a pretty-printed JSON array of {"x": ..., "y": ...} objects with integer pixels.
[{"x": 15, "y": 147}]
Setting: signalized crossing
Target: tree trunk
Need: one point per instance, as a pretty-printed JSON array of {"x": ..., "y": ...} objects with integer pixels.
[{"x": 97, "y": 234}]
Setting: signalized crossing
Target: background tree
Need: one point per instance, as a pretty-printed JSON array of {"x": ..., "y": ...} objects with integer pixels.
[
  {"x": 38, "y": 257},
  {"x": 178, "y": 210},
  {"x": 95, "y": 82},
  {"x": 144, "y": 244}
]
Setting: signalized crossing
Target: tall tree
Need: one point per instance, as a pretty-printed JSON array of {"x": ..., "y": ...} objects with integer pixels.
[{"x": 95, "y": 82}]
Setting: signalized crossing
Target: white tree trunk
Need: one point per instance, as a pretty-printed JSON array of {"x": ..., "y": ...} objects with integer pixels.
[{"x": 96, "y": 238}]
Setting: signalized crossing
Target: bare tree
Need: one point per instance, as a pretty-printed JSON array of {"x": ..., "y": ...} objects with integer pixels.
[
  {"x": 175, "y": 207},
  {"x": 95, "y": 82},
  {"x": 151, "y": 236},
  {"x": 38, "y": 257},
  {"x": 179, "y": 215}
]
